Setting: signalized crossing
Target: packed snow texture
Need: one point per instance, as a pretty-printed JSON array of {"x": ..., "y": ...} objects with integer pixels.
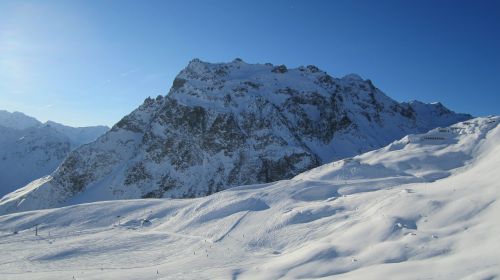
[
  {"x": 229, "y": 124},
  {"x": 30, "y": 149},
  {"x": 423, "y": 207}
]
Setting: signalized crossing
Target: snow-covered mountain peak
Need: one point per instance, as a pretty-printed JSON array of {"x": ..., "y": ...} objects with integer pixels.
[
  {"x": 230, "y": 124},
  {"x": 353, "y": 77},
  {"x": 236, "y": 84},
  {"x": 17, "y": 120},
  {"x": 78, "y": 135},
  {"x": 30, "y": 149}
]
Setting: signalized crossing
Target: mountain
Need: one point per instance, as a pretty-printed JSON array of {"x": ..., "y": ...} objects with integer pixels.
[
  {"x": 230, "y": 124},
  {"x": 79, "y": 135},
  {"x": 30, "y": 149},
  {"x": 423, "y": 207},
  {"x": 17, "y": 120}
]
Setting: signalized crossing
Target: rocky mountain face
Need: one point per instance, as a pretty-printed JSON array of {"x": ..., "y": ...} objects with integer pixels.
[
  {"x": 229, "y": 124},
  {"x": 30, "y": 149}
]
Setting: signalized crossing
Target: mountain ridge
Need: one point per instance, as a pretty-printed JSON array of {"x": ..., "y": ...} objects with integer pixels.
[
  {"x": 230, "y": 124},
  {"x": 30, "y": 149}
]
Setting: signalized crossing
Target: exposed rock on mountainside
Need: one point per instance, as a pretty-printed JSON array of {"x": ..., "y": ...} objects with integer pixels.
[{"x": 230, "y": 124}]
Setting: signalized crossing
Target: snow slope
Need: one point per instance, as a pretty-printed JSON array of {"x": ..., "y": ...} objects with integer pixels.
[
  {"x": 229, "y": 124},
  {"x": 30, "y": 149},
  {"x": 423, "y": 207}
]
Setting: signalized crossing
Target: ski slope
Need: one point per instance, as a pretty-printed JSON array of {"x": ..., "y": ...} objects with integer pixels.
[{"x": 423, "y": 207}]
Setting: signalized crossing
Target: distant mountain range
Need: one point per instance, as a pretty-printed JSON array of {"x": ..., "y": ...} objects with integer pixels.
[
  {"x": 30, "y": 149},
  {"x": 231, "y": 124}
]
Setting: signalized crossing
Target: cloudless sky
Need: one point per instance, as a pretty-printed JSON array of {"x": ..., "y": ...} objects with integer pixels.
[{"x": 92, "y": 62}]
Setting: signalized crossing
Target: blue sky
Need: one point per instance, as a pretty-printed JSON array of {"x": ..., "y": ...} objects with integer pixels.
[{"x": 92, "y": 62}]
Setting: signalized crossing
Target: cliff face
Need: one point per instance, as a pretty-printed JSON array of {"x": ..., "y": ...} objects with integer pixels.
[{"x": 229, "y": 124}]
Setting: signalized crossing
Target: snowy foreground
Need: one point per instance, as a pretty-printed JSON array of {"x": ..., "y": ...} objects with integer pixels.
[{"x": 424, "y": 207}]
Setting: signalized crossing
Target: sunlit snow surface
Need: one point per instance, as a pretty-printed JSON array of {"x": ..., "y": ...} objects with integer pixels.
[{"x": 424, "y": 207}]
